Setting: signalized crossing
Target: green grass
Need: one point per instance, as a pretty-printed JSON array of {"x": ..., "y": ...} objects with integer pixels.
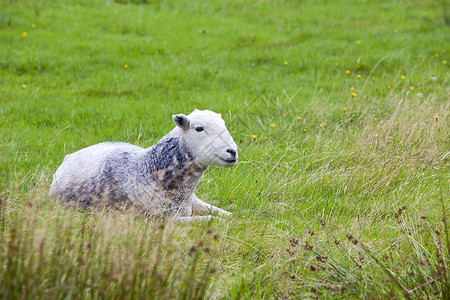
[{"x": 316, "y": 213}]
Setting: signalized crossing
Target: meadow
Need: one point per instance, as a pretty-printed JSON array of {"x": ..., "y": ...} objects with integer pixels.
[{"x": 340, "y": 110}]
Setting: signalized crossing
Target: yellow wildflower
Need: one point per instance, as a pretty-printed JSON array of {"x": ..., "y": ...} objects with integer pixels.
[
  {"x": 285, "y": 62},
  {"x": 376, "y": 135},
  {"x": 444, "y": 62},
  {"x": 304, "y": 130},
  {"x": 125, "y": 66},
  {"x": 272, "y": 125},
  {"x": 347, "y": 72},
  {"x": 411, "y": 88},
  {"x": 436, "y": 117},
  {"x": 345, "y": 109},
  {"x": 298, "y": 118},
  {"x": 321, "y": 125},
  {"x": 24, "y": 86},
  {"x": 403, "y": 77},
  {"x": 389, "y": 86},
  {"x": 358, "y": 42},
  {"x": 358, "y": 76},
  {"x": 353, "y": 95},
  {"x": 254, "y": 136},
  {"x": 436, "y": 55},
  {"x": 33, "y": 25},
  {"x": 24, "y": 34}
]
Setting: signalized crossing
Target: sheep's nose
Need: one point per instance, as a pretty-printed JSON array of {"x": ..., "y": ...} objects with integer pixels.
[{"x": 232, "y": 152}]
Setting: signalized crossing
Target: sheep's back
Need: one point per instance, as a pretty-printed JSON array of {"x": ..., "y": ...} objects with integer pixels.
[{"x": 96, "y": 172}]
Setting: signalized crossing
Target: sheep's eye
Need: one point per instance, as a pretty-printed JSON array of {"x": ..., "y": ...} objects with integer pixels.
[{"x": 199, "y": 128}]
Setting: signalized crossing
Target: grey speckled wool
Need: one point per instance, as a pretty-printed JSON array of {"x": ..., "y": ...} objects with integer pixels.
[{"x": 158, "y": 179}]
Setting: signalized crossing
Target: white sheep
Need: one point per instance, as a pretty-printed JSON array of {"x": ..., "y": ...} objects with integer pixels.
[{"x": 159, "y": 180}]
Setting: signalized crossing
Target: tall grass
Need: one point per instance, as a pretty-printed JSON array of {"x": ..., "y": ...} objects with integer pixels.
[{"x": 58, "y": 253}]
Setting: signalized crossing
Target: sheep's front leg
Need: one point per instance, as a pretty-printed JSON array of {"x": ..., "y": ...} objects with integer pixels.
[
  {"x": 193, "y": 219},
  {"x": 200, "y": 206}
]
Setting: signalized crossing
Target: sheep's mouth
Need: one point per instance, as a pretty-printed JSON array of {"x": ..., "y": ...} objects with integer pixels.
[{"x": 229, "y": 161}]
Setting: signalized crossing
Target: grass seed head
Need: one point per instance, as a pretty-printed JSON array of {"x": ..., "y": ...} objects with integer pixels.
[
  {"x": 308, "y": 247},
  {"x": 192, "y": 250},
  {"x": 293, "y": 241}
]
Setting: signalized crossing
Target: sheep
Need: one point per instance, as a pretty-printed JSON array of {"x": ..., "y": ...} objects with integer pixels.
[{"x": 158, "y": 181}]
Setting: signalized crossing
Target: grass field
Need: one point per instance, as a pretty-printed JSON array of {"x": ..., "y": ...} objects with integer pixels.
[{"x": 340, "y": 110}]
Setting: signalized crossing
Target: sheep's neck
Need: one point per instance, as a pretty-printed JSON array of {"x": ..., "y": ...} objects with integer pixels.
[{"x": 171, "y": 164}]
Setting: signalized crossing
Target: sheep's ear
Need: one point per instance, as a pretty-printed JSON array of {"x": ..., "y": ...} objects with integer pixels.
[{"x": 181, "y": 121}]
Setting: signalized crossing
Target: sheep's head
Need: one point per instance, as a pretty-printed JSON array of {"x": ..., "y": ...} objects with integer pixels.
[{"x": 207, "y": 137}]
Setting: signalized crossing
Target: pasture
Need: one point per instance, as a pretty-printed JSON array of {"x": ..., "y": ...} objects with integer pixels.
[{"x": 339, "y": 109}]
